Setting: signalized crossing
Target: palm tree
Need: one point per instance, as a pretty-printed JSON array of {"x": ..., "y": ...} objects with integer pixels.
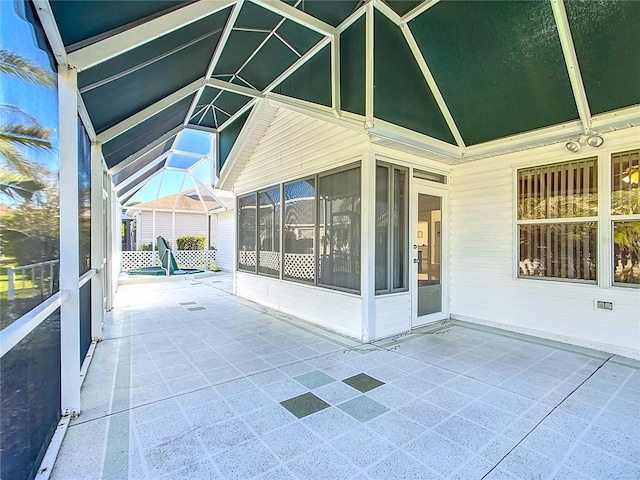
[{"x": 20, "y": 130}]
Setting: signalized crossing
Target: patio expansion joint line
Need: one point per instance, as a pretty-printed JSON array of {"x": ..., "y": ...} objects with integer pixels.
[
  {"x": 213, "y": 385},
  {"x": 546, "y": 416}
]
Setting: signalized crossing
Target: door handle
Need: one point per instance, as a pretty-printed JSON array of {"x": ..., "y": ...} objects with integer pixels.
[{"x": 415, "y": 260}]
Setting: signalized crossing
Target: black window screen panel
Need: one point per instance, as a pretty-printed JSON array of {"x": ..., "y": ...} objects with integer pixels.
[
  {"x": 30, "y": 400},
  {"x": 382, "y": 228},
  {"x": 400, "y": 202},
  {"x": 339, "y": 229},
  {"x": 299, "y": 230},
  {"x": 84, "y": 198},
  {"x": 247, "y": 233},
  {"x": 85, "y": 320},
  {"x": 269, "y": 231}
]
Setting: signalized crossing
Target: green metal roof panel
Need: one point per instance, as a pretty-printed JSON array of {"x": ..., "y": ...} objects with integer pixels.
[
  {"x": 203, "y": 112},
  {"x": 121, "y": 98},
  {"x": 143, "y": 134},
  {"x": 239, "y": 47},
  {"x": 352, "y": 68},
  {"x": 141, "y": 162},
  {"x": 606, "y": 36},
  {"x": 81, "y": 20},
  {"x": 333, "y": 12},
  {"x": 231, "y": 102},
  {"x": 299, "y": 37},
  {"x": 499, "y": 66},
  {"x": 401, "y": 94},
  {"x": 203, "y": 30},
  {"x": 402, "y": 7},
  {"x": 270, "y": 61},
  {"x": 254, "y": 16},
  {"x": 228, "y": 136},
  {"x": 312, "y": 81}
]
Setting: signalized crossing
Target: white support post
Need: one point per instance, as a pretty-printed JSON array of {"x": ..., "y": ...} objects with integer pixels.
[
  {"x": 97, "y": 242},
  {"x": 335, "y": 76},
  {"x": 369, "y": 45},
  {"x": 69, "y": 241},
  {"x": 368, "y": 271}
]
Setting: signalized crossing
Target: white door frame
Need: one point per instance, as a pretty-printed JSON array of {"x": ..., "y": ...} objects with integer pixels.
[{"x": 428, "y": 188}]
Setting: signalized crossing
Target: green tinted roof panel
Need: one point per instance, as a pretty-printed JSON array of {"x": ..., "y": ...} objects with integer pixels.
[
  {"x": 121, "y": 98},
  {"x": 138, "y": 137},
  {"x": 312, "y": 81},
  {"x": 498, "y": 65},
  {"x": 206, "y": 30},
  {"x": 401, "y": 94},
  {"x": 82, "y": 20},
  {"x": 402, "y": 7},
  {"x": 299, "y": 37},
  {"x": 240, "y": 46},
  {"x": 333, "y": 12},
  {"x": 352, "y": 68},
  {"x": 231, "y": 102},
  {"x": 606, "y": 36},
  {"x": 254, "y": 16},
  {"x": 228, "y": 136},
  {"x": 270, "y": 61}
]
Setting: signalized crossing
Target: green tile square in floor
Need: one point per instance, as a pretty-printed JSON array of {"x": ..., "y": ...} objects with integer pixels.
[
  {"x": 363, "y": 382},
  {"x": 363, "y": 408},
  {"x": 304, "y": 405},
  {"x": 314, "y": 379}
]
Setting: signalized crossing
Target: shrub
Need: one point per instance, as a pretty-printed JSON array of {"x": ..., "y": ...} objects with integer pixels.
[{"x": 190, "y": 242}]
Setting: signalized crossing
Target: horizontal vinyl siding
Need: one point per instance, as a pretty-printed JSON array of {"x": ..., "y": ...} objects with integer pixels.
[
  {"x": 186, "y": 224},
  {"x": 336, "y": 311},
  {"x": 295, "y": 146},
  {"x": 393, "y": 314},
  {"x": 483, "y": 283},
  {"x": 225, "y": 240}
]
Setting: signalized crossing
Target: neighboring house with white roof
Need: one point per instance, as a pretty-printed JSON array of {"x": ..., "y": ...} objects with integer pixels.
[{"x": 186, "y": 213}]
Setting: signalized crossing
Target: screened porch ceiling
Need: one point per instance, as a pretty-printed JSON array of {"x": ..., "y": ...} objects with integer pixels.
[{"x": 460, "y": 79}]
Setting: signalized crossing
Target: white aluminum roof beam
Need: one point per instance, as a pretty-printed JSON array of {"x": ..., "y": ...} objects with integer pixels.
[
  {"x": 433, "y": 86},
  {"x": 233, "y": 88},
  {"x": 287, "y": 11},
  {"x": 110, "y": 47},
  {"x": 132, "y": 158},
  {"x": 570, "y": 58},
  {"x": 419, "y": 10}
]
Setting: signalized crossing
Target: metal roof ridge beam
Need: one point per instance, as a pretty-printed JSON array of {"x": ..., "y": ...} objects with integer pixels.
[
  {"x": 134, "y": 156},
  {"x": 419, "y": 10},
  {"x": 110, "y": 47},
  {"x": 387, "y": 11},
  {"x": 150, "y": 111},
  {"x": 571, "y": 60},
  {"x": 232, "y": 87},
  {"x": 433, "y": 86},
  {"x": 231, "y": 21},
  {"x": 285, "y": 10},
  {"x": 351, "y": 19}
]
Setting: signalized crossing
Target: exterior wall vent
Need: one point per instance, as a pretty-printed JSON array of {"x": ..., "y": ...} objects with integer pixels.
[{"x": 604, "y": 305}]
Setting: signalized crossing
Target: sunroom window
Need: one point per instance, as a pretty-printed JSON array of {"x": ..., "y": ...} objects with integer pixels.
[
  {"x": 625, "y": 216},
  {"x": 558, "y": 221}
]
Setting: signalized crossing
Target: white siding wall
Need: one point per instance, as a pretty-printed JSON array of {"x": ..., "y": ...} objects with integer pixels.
[
  {"x": 482, "y": 249},
  {"x": 225, "y": 239},
  {"x": 292, "y": 147},
  {"x": 296, "y": 145},
  {"x": 185, "y": 224},
  {"x": 393, "y": 314},
  {"x": 336, "y": 311}
]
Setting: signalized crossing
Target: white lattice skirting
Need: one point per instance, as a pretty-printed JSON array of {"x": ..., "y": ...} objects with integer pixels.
[
  {"x": 299, "y": 265},
  {"x": 205, "y": 260}
]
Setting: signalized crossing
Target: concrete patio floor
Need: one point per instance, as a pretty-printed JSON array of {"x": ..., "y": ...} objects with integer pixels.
[{"x": 192, "y": 382}]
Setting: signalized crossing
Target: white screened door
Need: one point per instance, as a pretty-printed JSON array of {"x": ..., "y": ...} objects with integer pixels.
[{"x": 428, "y": 255}]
